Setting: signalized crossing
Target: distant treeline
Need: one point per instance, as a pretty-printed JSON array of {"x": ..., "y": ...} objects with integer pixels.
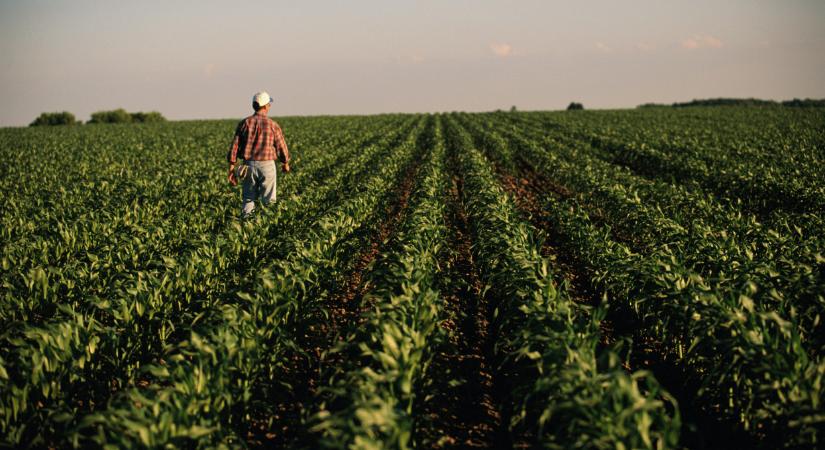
[
  {"x": 121, "y": 116},
  {"x": 55, "y": 118},
  {"x": 115, "y": 116},
  {"x": 795, "y": 103}
]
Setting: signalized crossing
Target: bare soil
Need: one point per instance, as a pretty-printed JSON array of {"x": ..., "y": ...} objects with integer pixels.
[
  {"x": 463, "y": 411},
  {"x": 528, "y": 191}
]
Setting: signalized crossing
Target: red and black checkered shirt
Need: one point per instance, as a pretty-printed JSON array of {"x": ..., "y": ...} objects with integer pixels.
[{"x": 258, "y": 138}]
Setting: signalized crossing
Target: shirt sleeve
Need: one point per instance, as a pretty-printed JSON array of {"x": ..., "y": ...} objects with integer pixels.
[
  {"x": 280, "y": 143},
  {"x": 232, "y": 156}
]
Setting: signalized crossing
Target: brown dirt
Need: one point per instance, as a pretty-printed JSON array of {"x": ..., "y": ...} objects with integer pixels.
[
  {"x": 463, "y": 411},
  {"x": 527, "y": 191},
  {"x": 345, "y": 305}
]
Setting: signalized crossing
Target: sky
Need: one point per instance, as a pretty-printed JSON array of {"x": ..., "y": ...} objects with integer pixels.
[{"x": 205, "y": 59}]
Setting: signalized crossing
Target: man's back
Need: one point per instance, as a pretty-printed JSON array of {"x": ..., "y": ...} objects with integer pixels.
[{"x": 258, "y": 138}]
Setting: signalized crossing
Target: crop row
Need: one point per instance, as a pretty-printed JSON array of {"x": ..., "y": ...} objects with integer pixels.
[
  {"x": 83, "y": 253},
  {"x": 368, "y": 401},
  {"x": 706, "y": 237},
  {"x": 138, "y": 311},
  {"x": 763, "y": 179},
  {"x": 750, "y": 361},
  {"x": 564, "y": 394},
  {"x": 100, "y": 349},
  {"x": 202, "y": 387}
]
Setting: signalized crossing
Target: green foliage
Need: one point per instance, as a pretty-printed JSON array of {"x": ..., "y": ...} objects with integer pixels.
[
  {"x": 726, "y": 102},
  {"x": 371, "y": 401},
  {"x": 147, "y": 117},
  {"x": 155, "y": 317},
  {"x": 114, "y": 116},
  {"x": 733, "y": 299},
  {"x": 138, "y": 311},
  {"x": 573, "y": 106},
  {"x": 805, "y": 103},
  {"x": 563, "y": 393},
  {"x": 55, "y": 118},
  {"x": 795, "y": 103},
  {"x": 121, "y": 116}
]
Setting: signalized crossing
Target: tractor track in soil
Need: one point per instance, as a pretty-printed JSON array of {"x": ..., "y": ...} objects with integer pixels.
[
  {"x": 702, "y": 429},
  {"x": 343, "y": 309}
]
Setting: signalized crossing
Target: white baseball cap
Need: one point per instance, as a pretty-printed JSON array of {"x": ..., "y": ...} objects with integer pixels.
[{"x": 262, "y": 98}]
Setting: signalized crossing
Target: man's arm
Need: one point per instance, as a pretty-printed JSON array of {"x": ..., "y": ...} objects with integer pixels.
[
  {"x": 280, "y": 146},
  {"x": 232, "y": 155}
]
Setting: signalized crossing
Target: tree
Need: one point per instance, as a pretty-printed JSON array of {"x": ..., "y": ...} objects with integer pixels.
[
  {"x": 807, "y": 103},
  {"x": 573, "y": 106},
  {"x": 147, "y": 117},
  {"x": 115, "y": 116},
  {"x": 122, "y": 116},
  {"x": 54, "y": 118}
]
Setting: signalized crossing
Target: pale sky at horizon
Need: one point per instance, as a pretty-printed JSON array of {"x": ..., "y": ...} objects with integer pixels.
[{"x": 205, "y": 59}]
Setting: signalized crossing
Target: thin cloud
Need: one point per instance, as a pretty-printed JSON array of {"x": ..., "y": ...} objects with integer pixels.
[
  {"x": 405, "y": 60},
  {"x": 701, "y": 41},
  {"x": 603, "y": 47},
  {"x": 501, "y": 50},
  {"x": 209, "y": 70}
]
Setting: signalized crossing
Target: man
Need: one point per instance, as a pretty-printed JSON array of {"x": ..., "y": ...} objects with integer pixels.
[{"x": 258, "y": 141}]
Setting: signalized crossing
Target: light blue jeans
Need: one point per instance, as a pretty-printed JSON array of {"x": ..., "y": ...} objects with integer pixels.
[{"x": 260, "y": 184}]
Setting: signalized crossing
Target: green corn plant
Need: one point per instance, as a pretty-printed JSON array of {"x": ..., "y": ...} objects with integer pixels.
[
  {"x": 256, "y": 328},
  {"x": 549, "y": 340},
  {"x": 370, "y": 401}
]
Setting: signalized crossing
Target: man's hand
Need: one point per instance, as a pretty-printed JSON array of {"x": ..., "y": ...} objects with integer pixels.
[
  {"x": 286, "y": 167},
  {"x": 232, "y": 180}
]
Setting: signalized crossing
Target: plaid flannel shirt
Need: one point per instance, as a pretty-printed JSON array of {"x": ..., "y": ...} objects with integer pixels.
[{"x": 258, "y": 138}]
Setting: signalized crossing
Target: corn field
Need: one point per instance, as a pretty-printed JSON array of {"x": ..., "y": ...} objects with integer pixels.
[{"x": 651, "y": 278}]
